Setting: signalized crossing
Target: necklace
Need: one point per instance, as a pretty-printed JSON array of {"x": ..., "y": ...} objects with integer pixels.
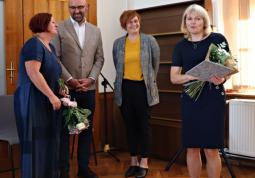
[{"x": 195, "y": 44}]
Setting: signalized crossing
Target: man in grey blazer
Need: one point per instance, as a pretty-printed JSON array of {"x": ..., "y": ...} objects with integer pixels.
[{"x": 79, "y": 49}]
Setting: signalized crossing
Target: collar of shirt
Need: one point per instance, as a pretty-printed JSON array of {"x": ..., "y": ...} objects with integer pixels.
[{"x": 80, "y": 30}]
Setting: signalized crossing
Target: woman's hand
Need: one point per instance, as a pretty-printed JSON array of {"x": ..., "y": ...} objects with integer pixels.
[
  {"x": 190, "y": 77},
  {"x": 177, "y": 77},
  {"x": 217, "y": 80},
  {"x": 55, "y": 101}
]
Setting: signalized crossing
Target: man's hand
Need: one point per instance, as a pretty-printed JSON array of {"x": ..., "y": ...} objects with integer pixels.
[
  {"x": 85, "y": 84},
  {"x": 73, "y": 83}
]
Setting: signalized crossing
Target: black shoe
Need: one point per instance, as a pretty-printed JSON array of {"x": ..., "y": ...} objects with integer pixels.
[
  {"x": 64, "y": 174},
  {"x": 141, "y": 172},
  {"x": 88, "y": 173},
  {"x": 131, "y": 171}
]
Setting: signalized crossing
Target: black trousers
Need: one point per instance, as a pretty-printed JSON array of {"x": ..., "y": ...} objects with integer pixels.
[
  {"x": 84, "y": 100},
  {"x": 136, "y": 114}
]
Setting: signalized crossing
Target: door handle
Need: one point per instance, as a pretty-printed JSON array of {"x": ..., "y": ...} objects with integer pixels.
[{"x": 12, "y": 70}]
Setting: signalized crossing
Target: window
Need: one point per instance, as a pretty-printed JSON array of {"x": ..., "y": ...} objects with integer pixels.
[{"x": 238, "y": 25}]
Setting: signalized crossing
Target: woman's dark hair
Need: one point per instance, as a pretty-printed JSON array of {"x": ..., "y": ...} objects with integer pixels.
[
  {"x": 39, "y": 22},
  {"x": 127, "y": 16}
]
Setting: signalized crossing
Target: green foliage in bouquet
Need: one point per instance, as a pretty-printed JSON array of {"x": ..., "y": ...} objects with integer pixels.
[
  {"x": 76, "y": 118},
  {"x": 61, "y": 84},
  {"x": 75, "y": 115},
  {"x": 221, "y": 56},
  {"x": 194, "y": 88},
  {"x": 215, "y": 54}
]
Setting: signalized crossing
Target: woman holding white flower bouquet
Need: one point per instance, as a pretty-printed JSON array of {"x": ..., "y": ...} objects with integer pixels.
[
  {"x": 202, "y": 113},
  {"x": 36, "y": 101}
]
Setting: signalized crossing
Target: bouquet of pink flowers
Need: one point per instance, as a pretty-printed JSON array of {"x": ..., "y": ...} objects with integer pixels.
[{"x": 76, "y": 118}]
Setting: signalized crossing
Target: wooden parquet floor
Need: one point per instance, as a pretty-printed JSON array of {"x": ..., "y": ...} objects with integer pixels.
[{"x": 109, "y": 168}]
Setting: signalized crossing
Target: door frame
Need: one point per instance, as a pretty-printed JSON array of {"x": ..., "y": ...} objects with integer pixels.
[{"x": 2, "y": 51}]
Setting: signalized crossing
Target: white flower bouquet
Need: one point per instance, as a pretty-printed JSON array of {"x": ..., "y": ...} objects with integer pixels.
[
  {"x": 76, "y": 118},
  {"x": 215, "y": 54}
]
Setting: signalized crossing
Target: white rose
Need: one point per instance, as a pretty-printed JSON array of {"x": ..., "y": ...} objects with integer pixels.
[{"x": 80, "y": 126}]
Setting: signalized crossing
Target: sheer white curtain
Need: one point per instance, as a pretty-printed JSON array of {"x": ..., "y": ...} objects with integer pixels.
[{"x": 238, "y": 25}]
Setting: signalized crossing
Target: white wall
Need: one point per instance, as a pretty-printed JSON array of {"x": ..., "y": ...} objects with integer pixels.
[
  {"x": 140, "y": 4},
  {"x": 2, "y": 49},
  {"x": 108, "y": 13}
]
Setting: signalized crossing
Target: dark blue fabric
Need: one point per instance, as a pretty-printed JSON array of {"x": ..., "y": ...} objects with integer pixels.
[
  {"x": 37, "y": 123},
  {"x": 202, "y": 120},
  {"x": 186, "y": 56},
  {"x": 85, "y": 100}
]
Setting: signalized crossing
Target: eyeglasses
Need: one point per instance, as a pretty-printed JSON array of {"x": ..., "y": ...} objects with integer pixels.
[{"x": 77, "y": 7}]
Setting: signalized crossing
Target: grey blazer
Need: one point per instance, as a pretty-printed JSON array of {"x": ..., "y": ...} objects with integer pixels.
[
  {"x": 79, "y": 62},
  {"x": 150, "y": 54}
]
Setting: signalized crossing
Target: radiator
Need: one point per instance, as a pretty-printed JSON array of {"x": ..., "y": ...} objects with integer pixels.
[{"x": 242, "y": 127}]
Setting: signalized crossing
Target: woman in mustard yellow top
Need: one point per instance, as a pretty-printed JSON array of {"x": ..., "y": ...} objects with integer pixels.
[{"x": 136, "y": 59}]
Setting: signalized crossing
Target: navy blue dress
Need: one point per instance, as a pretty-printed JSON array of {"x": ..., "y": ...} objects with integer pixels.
[
  {"x": 203, "y": 119},
  {"x": 38, "y": 124}
]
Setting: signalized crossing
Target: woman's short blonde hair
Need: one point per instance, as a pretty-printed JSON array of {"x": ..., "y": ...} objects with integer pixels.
[{"x": 201, "y": 12}]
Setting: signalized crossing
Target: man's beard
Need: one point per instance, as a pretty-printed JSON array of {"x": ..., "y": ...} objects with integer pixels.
[{"x": 79, "y": 18}]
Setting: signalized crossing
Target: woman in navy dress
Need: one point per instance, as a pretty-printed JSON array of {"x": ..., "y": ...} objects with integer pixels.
[
  {"x": 36, "y": 102},
  {"x": 203, "y": 119}
]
